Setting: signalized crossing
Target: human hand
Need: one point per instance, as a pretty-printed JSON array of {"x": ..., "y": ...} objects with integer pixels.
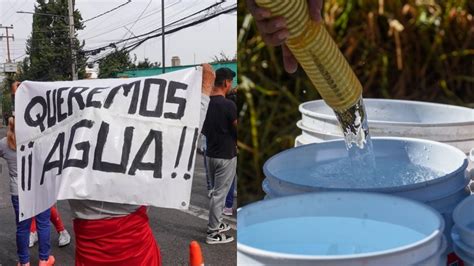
[
  {"x": 274, "y": 29},
  {"x": 208, "y": 77}
]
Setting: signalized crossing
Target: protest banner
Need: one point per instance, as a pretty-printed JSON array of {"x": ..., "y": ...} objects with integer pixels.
[{"x": 117, "y": 140}]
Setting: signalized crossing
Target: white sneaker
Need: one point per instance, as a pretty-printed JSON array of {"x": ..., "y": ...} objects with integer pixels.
[
  {"x": 64, "y": 238},
  {"x": 218, "y": 238},
  {"x": 33, "y": 239}
]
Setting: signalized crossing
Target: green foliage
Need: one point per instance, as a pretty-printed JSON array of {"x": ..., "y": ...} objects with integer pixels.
[
  {"x": 146, "y": 64},
  {"x": 434, "y": 63},
  {"x": 48, "y": 48},
  {"x": 114, "y": 62},
  {"x": 223, "y": 58},
  {"x": 6, "y": 98},
  {"x": 119, "y": 61}
]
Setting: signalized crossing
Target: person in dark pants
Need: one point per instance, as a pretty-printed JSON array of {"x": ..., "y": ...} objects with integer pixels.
[{"x": 220, "y": 129}]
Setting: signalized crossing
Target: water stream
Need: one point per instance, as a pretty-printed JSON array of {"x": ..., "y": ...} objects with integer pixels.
[{"x": 353, "y": 122}]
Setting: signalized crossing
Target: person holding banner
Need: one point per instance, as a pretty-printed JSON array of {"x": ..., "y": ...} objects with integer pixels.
[
  {"x": 220, "y": 129},
  {"x": 8, "y": 152},
  {"x": 109, "y": 233}
]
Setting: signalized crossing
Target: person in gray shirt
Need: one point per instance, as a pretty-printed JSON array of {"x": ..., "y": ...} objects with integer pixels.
[{"x": 8, "y": 152}]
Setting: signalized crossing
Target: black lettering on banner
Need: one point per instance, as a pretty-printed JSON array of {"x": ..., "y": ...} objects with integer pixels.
[
  {"x": 138, "y": 163},
  {"x": 161, "y": 96},
  {"x": 23, "y": 165},
  {"x": 54, "y": 164},
  {"x": 171, "y": 98},
  {"x": 187, "y": 176},
  {"x": 81, "y": 146},
  {"x": 60, "y": 101},
  {"x": 23, "y": 171},
  {"x": 180, "y": 147},
  {"x": 51, "y": 111},
  {"x": 126, "y": 90},
  {"x": 77, "y": 96},
  {"x": 99, "y": 164},
  {"x": 39, "y": 117},
  {"x": 90, "y": 102},
  {"x": 193, "y": 149},
  {"x": 30, "y": 164}
]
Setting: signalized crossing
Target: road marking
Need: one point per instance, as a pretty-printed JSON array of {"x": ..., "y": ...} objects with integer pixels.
[{"x": 204, "y": 214}]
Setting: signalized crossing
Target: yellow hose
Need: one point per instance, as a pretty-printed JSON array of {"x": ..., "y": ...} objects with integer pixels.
[{"x": 317, "y": 53}]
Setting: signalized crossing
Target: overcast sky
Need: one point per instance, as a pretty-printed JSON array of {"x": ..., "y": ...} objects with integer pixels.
[{"x": 196, "y": 44}]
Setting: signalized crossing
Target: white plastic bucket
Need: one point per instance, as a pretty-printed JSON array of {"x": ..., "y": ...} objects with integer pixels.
[
  {"x": 464, "y": 251},
  {"x": 339, "y": 228},
  {"x": 289, "y": 172},
  {"x": 453, "y": 125},
  {"x": 463, "y": 217}
]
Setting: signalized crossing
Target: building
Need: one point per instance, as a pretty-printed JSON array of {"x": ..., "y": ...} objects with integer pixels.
[{"x": 175, "y": 61}]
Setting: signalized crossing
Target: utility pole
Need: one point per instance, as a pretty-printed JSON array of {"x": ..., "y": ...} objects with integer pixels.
[
  {"x": 71, "y": 39},
  {"x": 163, "y": 32},
  {"x": 8, "y": 41}
]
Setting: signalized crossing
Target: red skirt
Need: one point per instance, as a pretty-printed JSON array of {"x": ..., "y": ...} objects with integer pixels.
[{"x": 117, "y": 241}]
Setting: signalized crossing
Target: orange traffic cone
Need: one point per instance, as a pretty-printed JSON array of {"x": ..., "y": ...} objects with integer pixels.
[{"x": 195, "y": 254}]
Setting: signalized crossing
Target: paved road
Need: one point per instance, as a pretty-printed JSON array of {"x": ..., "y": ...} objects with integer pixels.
[{"x": 173, "y": 229}]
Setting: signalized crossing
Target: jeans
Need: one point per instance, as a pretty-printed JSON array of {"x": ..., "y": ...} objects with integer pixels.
[{"x": 23, "y": 234}]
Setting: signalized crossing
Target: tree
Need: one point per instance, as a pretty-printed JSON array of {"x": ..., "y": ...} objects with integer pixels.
[
  {"x": 48, "y": 48},
  {"x": 146, "y": 64},
  {"x": 117, "y": 61},
  {"x": 223, "y": 58}
]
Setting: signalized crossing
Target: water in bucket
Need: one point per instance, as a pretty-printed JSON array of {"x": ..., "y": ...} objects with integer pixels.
[
  {"x": 328, "y": 235},
  {"x": 339, "y": 173}
]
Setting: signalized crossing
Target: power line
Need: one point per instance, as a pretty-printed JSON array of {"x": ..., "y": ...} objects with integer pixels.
[
  {"x": 133, "y": 46},
  {"x": 113, "y": 45},
  {"x": 90, "y": 29},
  {"x": 135, "y": 22},
  {"x": 194, "y": 23},
  {"x": 106, "y": 12},
  {"x": 14, "y": 59},
  {"x": 114, "y": 29}
]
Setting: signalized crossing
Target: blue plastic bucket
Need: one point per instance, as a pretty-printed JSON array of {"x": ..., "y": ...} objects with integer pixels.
[
  {"x": 463, "y": 250},
  {"x": 339, "y": 228},
  {"x": 290, "y": 172},
  {"x": 462, "y": 232}
]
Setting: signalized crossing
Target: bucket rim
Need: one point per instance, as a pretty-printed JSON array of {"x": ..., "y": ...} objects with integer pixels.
[
  {"x": 457, "y": 212},
  {"x": 456, "y": 237},
  {"x": 372, "y": 122},
  {"x": 408, "y": 187},
  {"x": 312, "y": 131},
  {"x": 393, "y": 251},
  {"x": 462, "y": 254}
]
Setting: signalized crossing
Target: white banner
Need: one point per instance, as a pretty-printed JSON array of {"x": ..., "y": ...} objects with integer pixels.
[{"x": 117, "y": 140}]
